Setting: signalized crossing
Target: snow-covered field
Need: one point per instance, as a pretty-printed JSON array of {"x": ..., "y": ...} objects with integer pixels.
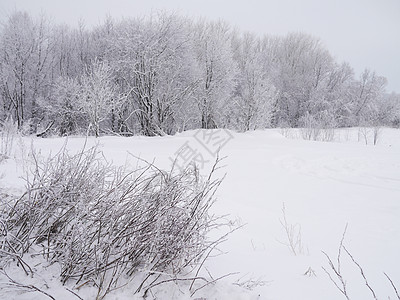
[{"x": 322, "y": 186}]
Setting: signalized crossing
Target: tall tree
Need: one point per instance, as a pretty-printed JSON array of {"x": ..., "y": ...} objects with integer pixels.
[
  {"x": 97, "y": 95},
  {"x": 26, "y": 62},
  {"x": 254, "y": 93},
  {"x": 218, "y": 71},
  {"x": 155, "y": 62},
  {"x": 367, "y": 92},
  {"x": 302, "y": 67}
]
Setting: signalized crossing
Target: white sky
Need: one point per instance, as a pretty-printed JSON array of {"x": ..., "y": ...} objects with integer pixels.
[{"x": 366, "y": 33}]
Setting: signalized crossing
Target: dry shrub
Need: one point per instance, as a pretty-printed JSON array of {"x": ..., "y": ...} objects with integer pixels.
[{"x": 104, "y": 225}]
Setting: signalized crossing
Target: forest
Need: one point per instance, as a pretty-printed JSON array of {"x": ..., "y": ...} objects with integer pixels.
[
  {"x": 165, "y": 73},
  {"x": 168, "y": 217}
]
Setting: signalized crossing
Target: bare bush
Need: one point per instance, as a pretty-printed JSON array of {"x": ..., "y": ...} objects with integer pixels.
[
  {"x": 377, "y": 134},
  {"x": 364, "y": 133},
  {"x": 103, "y": 224},
  {"x": 286, "y": 130},
  {"x": 293, "y": 234}
]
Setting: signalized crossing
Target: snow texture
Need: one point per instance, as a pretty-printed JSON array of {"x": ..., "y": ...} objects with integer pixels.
[{"x": 317, "y": 187}]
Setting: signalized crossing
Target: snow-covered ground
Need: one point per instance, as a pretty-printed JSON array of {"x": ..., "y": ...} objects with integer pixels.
[{"x": 322, "y": 185}]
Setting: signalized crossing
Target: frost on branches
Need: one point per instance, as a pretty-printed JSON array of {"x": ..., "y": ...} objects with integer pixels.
[{"x": 105, "y": 226}]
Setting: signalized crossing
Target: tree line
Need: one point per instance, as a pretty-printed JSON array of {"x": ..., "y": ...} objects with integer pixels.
[{"x": 164, "y": 73}]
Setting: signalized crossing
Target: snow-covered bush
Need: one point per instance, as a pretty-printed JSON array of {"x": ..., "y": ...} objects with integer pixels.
[
  {"x": 319, "y": 127},
  {"x": 104, "y": 225},
  {"x": 8, "y": 132}
]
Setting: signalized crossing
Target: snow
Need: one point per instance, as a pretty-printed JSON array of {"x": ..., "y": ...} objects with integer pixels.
[{"x": 323, "y": 186}]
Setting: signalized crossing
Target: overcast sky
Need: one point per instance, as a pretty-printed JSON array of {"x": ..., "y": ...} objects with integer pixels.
[{"x": 366, "y": 33}]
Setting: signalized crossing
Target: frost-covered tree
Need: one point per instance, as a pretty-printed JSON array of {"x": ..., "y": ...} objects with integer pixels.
[
  {"x": 252, "y": 104},
  {"x": 16, "y": 55},
  {"x": 172, "y": 74},
  {"x": 301, "y": 69},
  {"x": 366, "y": 94},
  {"x": 390, "y": 108},
  {"x": 97, "y": 95},
  {"x": 67, "y": 61},
  {"x": 25, "y": 61},
  {"x": 63, "y": 110},
  {"x": 217, "y": 71},
  {"x": 338, "y": 93},
  {"x": 155, "y": 62}
]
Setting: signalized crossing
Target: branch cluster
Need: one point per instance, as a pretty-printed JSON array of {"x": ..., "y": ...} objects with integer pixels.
[{"x": 101, "y": 223}]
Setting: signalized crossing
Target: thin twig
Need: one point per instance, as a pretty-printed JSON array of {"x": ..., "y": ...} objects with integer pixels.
[
  {"x": 213, "y": 281},
  {"x": 72, "y": 292},
  {"x": 394, "y": 287},
  {"x": 340, "y": 247},
  {"x": 25, "y": 286},
  {"x": 341, "y": 289},
  {"x": 362, "y": 272},
  {"x": 336, "y": 270}
]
